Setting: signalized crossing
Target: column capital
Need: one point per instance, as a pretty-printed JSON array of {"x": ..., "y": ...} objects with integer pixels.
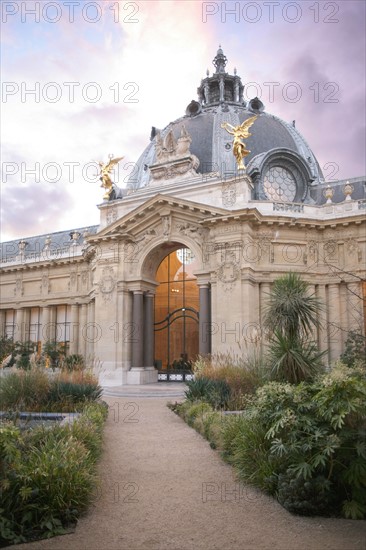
[{"x": 203, "y": 284}]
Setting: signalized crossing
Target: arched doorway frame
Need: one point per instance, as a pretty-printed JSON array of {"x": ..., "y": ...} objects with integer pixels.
[{"x": 143, "y": 290}]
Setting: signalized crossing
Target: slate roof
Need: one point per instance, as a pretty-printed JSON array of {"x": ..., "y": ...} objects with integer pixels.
[{"x": 58, "y": 242}]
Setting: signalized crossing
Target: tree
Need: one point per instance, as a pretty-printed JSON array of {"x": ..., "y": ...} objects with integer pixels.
[{"x": 291, "y": 315}]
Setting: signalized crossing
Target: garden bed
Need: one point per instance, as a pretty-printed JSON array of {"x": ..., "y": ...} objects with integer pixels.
[{"x": 48, "y": 458}]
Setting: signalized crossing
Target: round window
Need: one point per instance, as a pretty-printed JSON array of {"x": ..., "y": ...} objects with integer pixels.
[{"x": 279, "y": 184}]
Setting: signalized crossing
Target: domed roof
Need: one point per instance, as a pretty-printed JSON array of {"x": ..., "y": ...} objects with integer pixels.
[{"x": 220, "y": 101}]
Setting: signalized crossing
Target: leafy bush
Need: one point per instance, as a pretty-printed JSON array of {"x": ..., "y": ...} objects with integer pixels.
[
  {"x": 48, "y": 475},
  {"x": 246, "y": 447},
  {"x": 293, "y": 359},
  {"x": 7, "y": 347},
  {"x": 54, "y": 352},
  {"x": 197, "y": 389},
  {"x": 74, "y": 362},
  {"x": 34, "y": 390},
  {"x": 24, "y": 390},
  {"x": 196, "y": 409},
  {"x": 75, "y": 392},
  {"x": 305, "y": 497},
  {"x": 306, "y": 433},
  {"x": 290, "y": 316},
  {"x": 242, "y": 374},
  {"x": 23, "y": 352},
  {"x": 355, "y": 350},
  {"x": 203, "y": 418},
  {"x": 215, "y": 392}
]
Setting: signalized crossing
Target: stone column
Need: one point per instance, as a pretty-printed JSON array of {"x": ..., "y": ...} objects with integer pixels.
[
  {"x": 138, "y": 329},
  {"x": 74, "y": 329},
  {"x": 82, "y": 330},
  {"x": 323, "y": 343},
  {"x": 312, "y": 292},
  {"x": 343, "y": 313},
  {"x": 142, "y": 341},
  {"x": 204, "y": 346},
  {"x": 2, "y": 322},
  {"x": 354, "y": 306},
  {"x": 149, "y": 330},
  {"x": 334, "y": 330},
  {"x": 19, "y": 325},
  {"x": 90, "y": 330},
  {"x": 264, "y": 292},
  {"x": 45, "y": 324}
]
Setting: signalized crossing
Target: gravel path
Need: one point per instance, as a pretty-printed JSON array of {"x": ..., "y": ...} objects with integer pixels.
[{"x": 163, "y": 487}]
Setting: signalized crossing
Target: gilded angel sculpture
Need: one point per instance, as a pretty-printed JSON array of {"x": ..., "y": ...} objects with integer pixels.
[
  {"x": 105, "y": 170},
  {"x": 240, "y": 132}
]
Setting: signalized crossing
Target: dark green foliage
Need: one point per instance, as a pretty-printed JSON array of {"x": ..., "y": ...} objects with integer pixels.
[
  {"x": 33, "y": 390},
  {"x": 48, "y": 475},
  {"x": 74, "y": 362},
  {"x": 355, "y": 350},
  {"x": 215, "y": 392},
  {"x": 197, "y": 389},
  {"x": 291, "y": 310},
  {"x": 293, "y": 360},
  {"x": 311, "y": 497},
  {"x": 74, "y": 391},
  {"x": 55, "y": 352},
  {"x": 7, "y": 347},
  {"x": 290, "y": 317},
  {"x": 306, "y": 433},
  {"x": 22, "y": 353}
]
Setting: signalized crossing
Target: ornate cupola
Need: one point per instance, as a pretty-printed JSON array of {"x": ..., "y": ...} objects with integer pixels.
[{"x": 221, "y": 87}]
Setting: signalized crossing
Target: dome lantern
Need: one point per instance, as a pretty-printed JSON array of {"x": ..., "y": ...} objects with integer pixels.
[{"x": 221, "y": 87}]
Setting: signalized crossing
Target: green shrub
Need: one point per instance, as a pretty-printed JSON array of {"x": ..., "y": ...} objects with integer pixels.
[
  {"x": 33, "y": 390},
  {"x": 290, "y": 316},
  {"x": 24, "y": 390},
  {"x": 74, "y": 362},
  {"x": 203, "y": 418},
  {"x": 215, "y": 392},
  {"x": 7, "y": 347},
  {"x": 22, "y": 354},
  {"x": 303, "y": 443},
  {"x": 197, "y": 389},
  {"x": 48, "y": 475},
  {"x": 243, "y": 374},
  {"x": 355, "y": 350},
  {"x": 292, "y": 359},
  {"x": 246, "y": 447},
  {"x": 305, "y": 497},
  {"x": 75, "y": 392},
  {"x": 317, "y": 430},
  {"x": 54, "y": 352},
  {"x": 196, "y": 409}
]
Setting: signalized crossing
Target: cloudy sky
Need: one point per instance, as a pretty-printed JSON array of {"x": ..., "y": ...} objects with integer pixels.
[{"x": 82, "y": 80}]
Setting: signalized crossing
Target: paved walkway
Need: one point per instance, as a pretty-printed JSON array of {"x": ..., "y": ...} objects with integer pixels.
[{"x": 163, "y": 487}]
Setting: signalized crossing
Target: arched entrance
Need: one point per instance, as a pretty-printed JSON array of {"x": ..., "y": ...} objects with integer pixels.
[{"x": 176, "y": 311}]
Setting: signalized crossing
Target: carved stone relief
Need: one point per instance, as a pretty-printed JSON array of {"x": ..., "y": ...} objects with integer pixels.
[
  {"x": 45, "y": 286},
  {"x": 111, "y": 215},
  {"x": 228, "y": 194},
  {"x": 228, "y": 273},
  {"x": 107, "y": 283}
]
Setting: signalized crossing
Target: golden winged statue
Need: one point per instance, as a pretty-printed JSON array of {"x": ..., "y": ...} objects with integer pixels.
[
  {"x": 105, "y": 170},
  {"x": 240, "y": 132}
]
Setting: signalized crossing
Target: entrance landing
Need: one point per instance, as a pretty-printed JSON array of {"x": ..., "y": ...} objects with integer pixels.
[{"x": 169, "y": 390}]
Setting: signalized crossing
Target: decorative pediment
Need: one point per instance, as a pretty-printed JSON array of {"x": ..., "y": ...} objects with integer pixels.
[{"x": 155, "y": 217}]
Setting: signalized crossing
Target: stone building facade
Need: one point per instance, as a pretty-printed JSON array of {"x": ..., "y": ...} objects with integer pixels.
[{"x": 183, "y": 263}]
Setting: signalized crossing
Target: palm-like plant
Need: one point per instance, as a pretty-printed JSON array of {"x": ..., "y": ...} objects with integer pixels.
[{"x": 291, "y": 315}]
